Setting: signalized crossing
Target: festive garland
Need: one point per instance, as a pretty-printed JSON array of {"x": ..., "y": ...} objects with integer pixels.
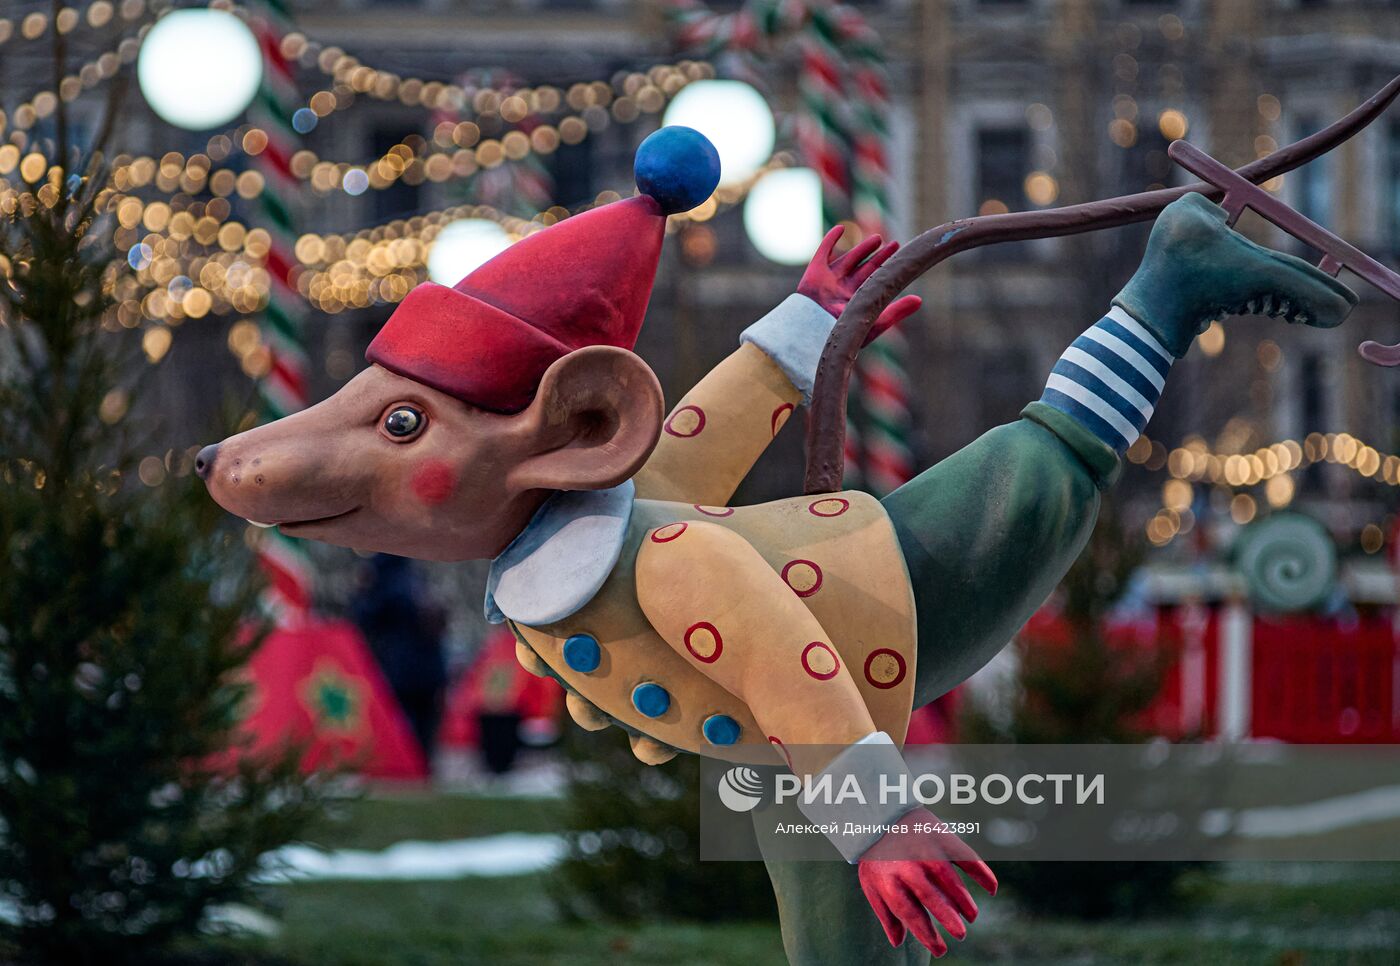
[
  {"x": 841, "y": 131},
  {"x": 1194, "y": 463},
  {"x": 283, "y": 387},
  {"x": 98, "y": 14}
]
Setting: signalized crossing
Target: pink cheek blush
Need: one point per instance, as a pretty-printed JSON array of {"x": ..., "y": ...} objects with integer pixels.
[{"x": 434, "y": 481}]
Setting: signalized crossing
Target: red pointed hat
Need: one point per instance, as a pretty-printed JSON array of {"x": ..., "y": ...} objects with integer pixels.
[{"x": 584, "y": 281}]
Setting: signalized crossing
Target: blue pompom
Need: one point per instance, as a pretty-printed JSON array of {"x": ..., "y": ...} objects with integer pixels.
[{"x": 677, "y": 166}]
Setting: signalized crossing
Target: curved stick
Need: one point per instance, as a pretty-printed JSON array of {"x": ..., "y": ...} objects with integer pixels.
[
  {"x": 826, "y": 427},
  {"x": 1378, "y": 353}
]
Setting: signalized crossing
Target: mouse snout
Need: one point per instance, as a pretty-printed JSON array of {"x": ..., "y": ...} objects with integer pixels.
[{"x": 204, "y": 460}]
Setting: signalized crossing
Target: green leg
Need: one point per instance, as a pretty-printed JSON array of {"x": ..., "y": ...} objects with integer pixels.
[
  {"x": 988, "y": 533},
  {"x": 825, "y": 917}
]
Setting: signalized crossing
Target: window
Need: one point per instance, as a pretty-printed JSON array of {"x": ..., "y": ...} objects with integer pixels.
[
  {"x": 399, "y": 199},
  {"x": 1391, "y": 228},
  {"x": 1003, "y": 160},
  {"x": 572, "y": 166},
  {"x": 1312, "y": 194},
  {"x": 1394, "y": 443},
  {"x": 1146, "y": 165}
]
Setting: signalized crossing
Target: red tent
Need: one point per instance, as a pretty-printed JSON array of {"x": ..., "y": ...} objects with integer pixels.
[
  {"x": 317, "y": 683},
  {"x": 495, "y": 682}
]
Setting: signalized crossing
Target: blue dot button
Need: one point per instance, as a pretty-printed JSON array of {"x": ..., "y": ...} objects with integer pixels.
[
  {"x": 720, "y": 729},
  {"x": 651, "y": 700},
  {"x": 581, "y": 653}
]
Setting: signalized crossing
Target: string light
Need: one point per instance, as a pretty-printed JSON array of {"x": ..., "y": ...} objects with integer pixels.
[
  {"x": 93, "y": 72},
  {"x": 190, "y": 259},
  {"x": 456, "y": 149},
  {"x": 98, "y": 14},
  {"x": 96, "y": 70},
  {"x": 627, "y": 94},
  {"x": 1193, "y": 462}
]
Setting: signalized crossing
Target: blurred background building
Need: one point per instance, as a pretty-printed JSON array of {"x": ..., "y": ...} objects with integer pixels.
[
  {"x": 266, "y": 251},
  {"x": 995, "y": 105}
]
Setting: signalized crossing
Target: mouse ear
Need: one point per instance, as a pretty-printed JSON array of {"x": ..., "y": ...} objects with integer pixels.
[{"x": 594, "y": 421}]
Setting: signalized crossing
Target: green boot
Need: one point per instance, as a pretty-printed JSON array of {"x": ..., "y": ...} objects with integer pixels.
[{"x": 1197, "y": 269}]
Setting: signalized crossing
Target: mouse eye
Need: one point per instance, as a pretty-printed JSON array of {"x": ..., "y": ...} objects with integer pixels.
[{"x": 404, "y": 422}]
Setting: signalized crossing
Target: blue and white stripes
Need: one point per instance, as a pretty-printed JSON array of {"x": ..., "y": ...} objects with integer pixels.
[{"x": 1109, "y": 380}]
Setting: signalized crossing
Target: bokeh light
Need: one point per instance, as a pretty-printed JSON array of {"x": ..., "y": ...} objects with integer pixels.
[
  {"x": 736, "y": 119},
  {"x": 199, "y": 68},
  {"x": 462, "y": 247},
  {"x": 783, "y": 215}
]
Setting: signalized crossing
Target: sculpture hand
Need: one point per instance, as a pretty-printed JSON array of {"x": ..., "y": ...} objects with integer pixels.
[
  {"x": 830, "y": 280},
  {"x": 908, "y": 876}
]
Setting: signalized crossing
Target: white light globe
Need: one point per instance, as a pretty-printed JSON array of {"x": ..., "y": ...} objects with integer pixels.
[
  {"x": 464, "y": 246},
  {"x": 783, "y": 215},
  {"x": 199, "y": 68},
  {"x": 735, "y": 118}
]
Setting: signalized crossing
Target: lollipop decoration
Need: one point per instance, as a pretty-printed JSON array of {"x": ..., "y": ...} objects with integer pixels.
[{"x": 1289, "y": 562}]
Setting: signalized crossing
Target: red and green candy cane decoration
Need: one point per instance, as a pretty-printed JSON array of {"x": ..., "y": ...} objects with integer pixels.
[
  {"x": 283, "y": 389},
  {"x": 884, "y": 381},
  {"x": 842, "y": 132}
]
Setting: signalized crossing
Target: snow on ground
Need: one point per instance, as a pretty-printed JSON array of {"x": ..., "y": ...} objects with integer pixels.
[
  {"x": 1310, "y": 818},
  {"x": 513, "y": 853}
]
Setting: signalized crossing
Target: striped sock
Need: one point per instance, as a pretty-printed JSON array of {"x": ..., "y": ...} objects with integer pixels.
[{"x": 1109, "y": 380}]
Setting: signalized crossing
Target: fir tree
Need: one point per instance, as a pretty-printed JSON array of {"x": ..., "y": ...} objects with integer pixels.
[
  {"x": 125, "y": 809},
  {"x": 1086, "y": 690},
  {"x": 632, "y": 848}
]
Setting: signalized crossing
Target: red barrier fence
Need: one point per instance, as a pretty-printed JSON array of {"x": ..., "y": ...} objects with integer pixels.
[{"x": 1304, "y": 679}]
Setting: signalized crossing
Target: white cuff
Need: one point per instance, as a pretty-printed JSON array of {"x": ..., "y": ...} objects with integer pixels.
[
  {"x": 793, "y": 335},
  {"x": 860, "y": 824}
]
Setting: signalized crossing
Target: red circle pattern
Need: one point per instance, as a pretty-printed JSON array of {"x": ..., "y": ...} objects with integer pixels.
[
  {"x": 787, "y": 570},
  {"x": 807, "y": 658},
  {"x": 670, "y": 426},
  {"x": 714, "y": 632},
  {"x": 780, "y": 417},
  {"x": 658, "y": 537},
  {"x": 885, "y": 652}
]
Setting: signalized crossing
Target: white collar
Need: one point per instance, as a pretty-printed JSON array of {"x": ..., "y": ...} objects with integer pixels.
[{"x": 560, "y": 560}]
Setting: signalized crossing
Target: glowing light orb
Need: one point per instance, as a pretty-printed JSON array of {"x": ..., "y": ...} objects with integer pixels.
[
  {"x": 783, "y": 215},
  {"x": 199, "y": 68},
  {"x": 736, "y": 119},
  {"x": 462, "y": 247}
]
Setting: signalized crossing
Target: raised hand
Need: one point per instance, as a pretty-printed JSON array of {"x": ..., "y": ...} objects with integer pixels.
[
  {"x": 830, "y": 280},
  {"x": 908, "y": 877}
]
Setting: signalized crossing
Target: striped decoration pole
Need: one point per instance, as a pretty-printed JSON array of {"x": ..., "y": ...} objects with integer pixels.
[
  {"x": 822, "y": 142},
  {"x": 283, "y": 388},
  {"x": 843, "y": 133},
  {"x": 882, "y": 368}
]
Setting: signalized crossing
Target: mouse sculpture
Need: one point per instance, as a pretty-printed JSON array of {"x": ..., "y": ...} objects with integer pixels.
[{"x": 506, "y": 419}]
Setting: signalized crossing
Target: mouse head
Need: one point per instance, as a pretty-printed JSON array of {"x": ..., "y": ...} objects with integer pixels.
[
  {"x": 392, "y": 465},
  {"x": 484, "y": 398}
]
